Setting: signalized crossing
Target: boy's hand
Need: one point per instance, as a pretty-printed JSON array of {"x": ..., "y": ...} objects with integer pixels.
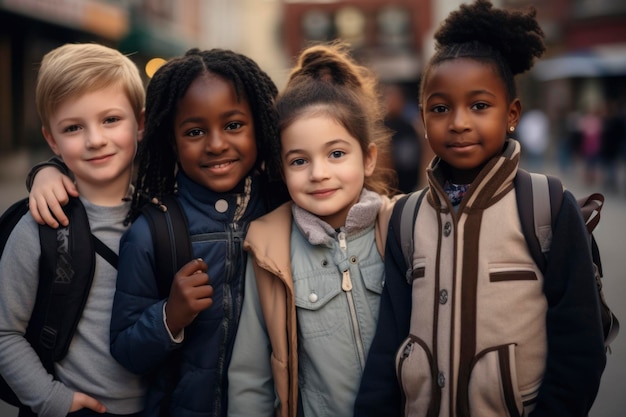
[
  {"x": 50, "y": 191},
  {"x": 81, "y": 401},
  {"x": 190, "y": 294}
]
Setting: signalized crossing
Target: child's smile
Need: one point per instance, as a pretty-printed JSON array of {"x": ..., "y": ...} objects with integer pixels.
[
  {"x": 466, "y": 112},
  {"x": 215, "y": 134},
  {"x": 324, "y": 167}
]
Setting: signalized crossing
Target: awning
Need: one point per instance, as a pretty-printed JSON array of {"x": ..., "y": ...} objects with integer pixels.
[
  {"x": 598, "y": 62},
  {"x": 152, "y": 41}
]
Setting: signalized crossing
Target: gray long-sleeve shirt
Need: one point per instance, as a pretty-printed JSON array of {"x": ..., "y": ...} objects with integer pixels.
[{"x": 88, "y": 366}]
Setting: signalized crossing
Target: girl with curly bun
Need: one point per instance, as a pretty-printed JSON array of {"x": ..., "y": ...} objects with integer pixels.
[{"x": 478, "y": 329}]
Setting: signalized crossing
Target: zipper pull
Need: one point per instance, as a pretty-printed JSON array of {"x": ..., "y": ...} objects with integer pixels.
[
  {"x": 346, "y": 282},
  {"x": 342, "y": 241}
]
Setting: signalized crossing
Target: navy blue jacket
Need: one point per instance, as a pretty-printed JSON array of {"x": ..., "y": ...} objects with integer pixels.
[{"x": 139, "y": 338}]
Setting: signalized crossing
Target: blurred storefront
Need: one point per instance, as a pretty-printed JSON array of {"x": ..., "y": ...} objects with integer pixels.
[
  {"x": 585, "y": 64},
  {"x": 29, "y": 28}
]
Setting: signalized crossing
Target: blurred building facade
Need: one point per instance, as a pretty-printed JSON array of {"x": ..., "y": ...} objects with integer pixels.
[
  {"x": 585, "y": 62},
  {"x": 30, "y": 28}
]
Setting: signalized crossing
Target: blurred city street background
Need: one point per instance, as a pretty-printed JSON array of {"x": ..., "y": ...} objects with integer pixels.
[{"x": 574, "y": 99}]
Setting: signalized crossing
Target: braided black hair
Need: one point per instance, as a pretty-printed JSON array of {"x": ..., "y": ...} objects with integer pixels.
[
  {"x": 510, "y": 40},
  {"x": 157, "y": 157}
]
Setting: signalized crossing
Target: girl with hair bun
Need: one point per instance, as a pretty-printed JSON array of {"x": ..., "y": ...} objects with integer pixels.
[
  {"x": 478, "y": 330},
  {"x": 315, "y": 270}
]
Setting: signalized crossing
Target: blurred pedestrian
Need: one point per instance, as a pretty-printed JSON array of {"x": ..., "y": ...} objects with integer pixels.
[
  {"x": 406, "y": 146},
  {"x": 533, "y": 132},
  {"x": 613, "y": 140},
  {"x": 590, "y": 125}
]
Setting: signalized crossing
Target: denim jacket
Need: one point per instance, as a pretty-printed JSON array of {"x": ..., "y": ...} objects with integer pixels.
[{"x": 309, "y": 313}]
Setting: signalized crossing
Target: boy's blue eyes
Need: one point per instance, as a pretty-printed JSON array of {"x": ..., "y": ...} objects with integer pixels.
[{"x": 77, "y": 127}]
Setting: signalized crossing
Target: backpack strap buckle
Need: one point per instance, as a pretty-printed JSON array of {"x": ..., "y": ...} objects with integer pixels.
[{"x": 48, "y": 337}]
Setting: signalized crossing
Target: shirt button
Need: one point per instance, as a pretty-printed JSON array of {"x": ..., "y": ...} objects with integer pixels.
[
  {"x": 447, "y": 229},
  {"x": 221, "y": 205},
  {"x": 313, "y": 297},
  {"x": 443, "y": 296},
  {"x": 441, "y": 380}
]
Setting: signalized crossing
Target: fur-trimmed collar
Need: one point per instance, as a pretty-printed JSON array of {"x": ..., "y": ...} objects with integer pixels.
[{"x": 361, "y": 216}]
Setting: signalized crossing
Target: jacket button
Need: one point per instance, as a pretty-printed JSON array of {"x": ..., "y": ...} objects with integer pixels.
[
  {"x": 441, "y": 380},
  {"x": 447, "y": 229},
  {"x": 221, "y": 205},
  {"x": 353, "y": 259},
  {"x": 313, "y": 297},
  {"x": 443, "y": 296}
]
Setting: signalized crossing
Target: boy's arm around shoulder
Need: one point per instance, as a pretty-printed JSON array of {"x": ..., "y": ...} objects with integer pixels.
[
  {"x": 380, "y": 393},
  {"x": 19, "y": 363},
  {"x": 139, "y": 337},
  {"x": 576, "y": 353}
]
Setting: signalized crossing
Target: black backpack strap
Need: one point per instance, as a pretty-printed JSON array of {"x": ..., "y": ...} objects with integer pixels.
[
  {"x": 9, "y": 219},
  {"x": 106, "y": 252},
  {"x": 172, "y": 249},
  {"x": 170, "y": 238},
  {"x": 404, "y": 227},
  {"x": 67, "y": 266},
  {"x": 66, "y": 269}
]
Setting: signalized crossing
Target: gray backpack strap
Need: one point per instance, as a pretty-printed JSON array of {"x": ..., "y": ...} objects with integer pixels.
[
  {"x": 541, "y": 210},
  {"x": 407, "y": 224}
]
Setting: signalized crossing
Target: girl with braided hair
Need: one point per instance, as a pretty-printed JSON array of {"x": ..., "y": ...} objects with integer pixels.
[
  {"x": 312, "y": 290},
  {"x": 210, "y": 121},
  {"x": 475, "y": 328}
]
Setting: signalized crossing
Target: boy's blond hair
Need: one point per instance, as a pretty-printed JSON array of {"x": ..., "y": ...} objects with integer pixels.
[{"x": 72, "y": 70}]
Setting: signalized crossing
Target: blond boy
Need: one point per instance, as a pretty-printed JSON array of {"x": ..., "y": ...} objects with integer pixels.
[{"x": 90, "y": 100}]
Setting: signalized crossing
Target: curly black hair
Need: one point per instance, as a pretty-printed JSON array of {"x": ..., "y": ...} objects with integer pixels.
[
  {"x": 508, "y": 39},
  {"x": 157, "y": 156}
]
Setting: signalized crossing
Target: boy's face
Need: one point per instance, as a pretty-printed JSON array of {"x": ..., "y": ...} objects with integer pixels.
[
  {"x": 324, "y": 167},
  {"x": 214, "y": 134},
  {"x": 96, "y": 135},
  {"x": 466, "y": 113}
]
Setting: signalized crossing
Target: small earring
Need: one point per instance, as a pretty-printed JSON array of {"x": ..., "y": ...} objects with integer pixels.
[
  {"x": 426, "y": 136},
  {"x": 512, "y": 128}
]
